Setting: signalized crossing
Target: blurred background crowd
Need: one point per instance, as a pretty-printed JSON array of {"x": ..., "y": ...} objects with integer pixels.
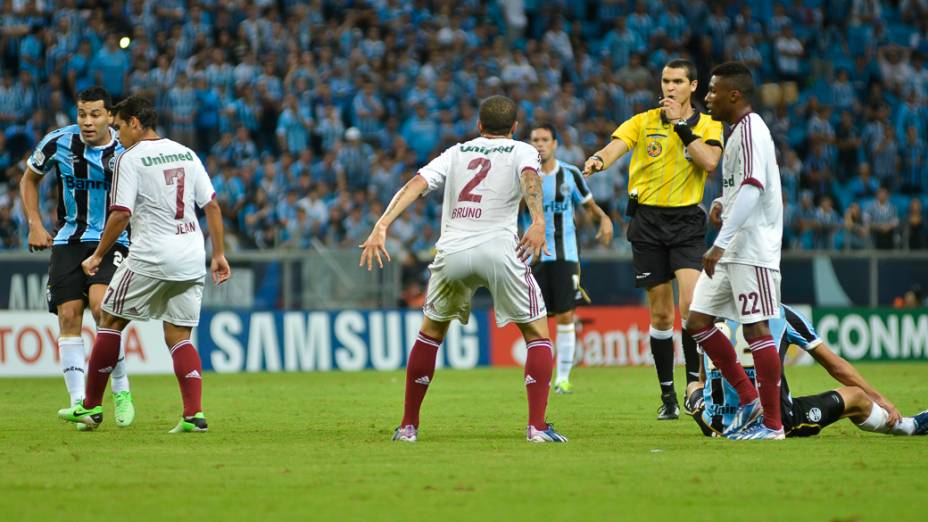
[{"x": 310, "y": 115}]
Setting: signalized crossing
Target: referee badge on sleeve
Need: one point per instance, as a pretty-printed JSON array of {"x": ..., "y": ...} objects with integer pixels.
[{"x": 654, "y": 149}]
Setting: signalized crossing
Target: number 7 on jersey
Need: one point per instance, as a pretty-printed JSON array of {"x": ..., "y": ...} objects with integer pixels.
[{"x": 170, "y": 175}]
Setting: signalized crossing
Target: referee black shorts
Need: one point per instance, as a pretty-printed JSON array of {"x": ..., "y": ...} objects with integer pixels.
[
  {"x": 559, "y": 282},
  {"x": 808, "y": 415},
  {"x": 67, "y": 280},
  {"x": 664, "y": 240}
]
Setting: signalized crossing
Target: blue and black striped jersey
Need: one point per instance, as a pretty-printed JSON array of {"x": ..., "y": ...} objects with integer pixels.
[
  {"x": 85, "y": 174},
  {"x": 562, "y": 190}
]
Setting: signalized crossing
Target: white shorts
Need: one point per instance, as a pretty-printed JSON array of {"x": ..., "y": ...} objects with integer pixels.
[
  {"x": 493, "y": 265},
  {"x": 744, "y": 293},
  {"x": 134, "y": 296}
]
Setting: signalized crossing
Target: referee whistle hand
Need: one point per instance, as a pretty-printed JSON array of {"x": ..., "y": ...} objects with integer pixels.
[
  {"x": 710, "y": 259},
  {"x": 672, "y": 109}
]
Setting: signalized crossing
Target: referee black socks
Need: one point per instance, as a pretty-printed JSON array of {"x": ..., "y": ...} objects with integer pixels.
[{"x": 662, "y": 352}]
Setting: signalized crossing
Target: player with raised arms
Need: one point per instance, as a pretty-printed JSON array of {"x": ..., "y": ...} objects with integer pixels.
[
  {"x": 483, "y": 181},
  {"x": 156, "y": 185}
]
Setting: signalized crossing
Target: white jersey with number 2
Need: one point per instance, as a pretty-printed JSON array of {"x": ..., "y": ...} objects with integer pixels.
[
  {"x": 159, "y": 181},
  {"x": 482, "y": 186}
]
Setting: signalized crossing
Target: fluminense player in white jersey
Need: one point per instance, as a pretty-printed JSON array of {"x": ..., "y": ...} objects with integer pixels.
[
  {"x": 741, "y": 272},
  {"x": 156, "y": 184},
  {"x": 483, "y": 181}
]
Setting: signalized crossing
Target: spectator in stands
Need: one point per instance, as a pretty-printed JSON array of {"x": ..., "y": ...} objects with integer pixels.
[
  {"x": 789, "y": 52},
  {"x": 913, "y": 171},
  {"x": 827, "y": 224},
  {"x": 915, "y": 231},
  {"x": 847, "y": 145},
  {"x": 884, "y": 220},
  {"x": 863, "y": 186},
  {"x": 856, "y": 228}
]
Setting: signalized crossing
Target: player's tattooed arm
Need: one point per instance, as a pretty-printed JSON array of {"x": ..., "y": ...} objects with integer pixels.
[
  {"x": 533, "y": 241},
  {"x": 375, "y": 246}
]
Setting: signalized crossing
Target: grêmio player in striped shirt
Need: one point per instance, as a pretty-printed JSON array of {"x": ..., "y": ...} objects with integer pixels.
[
  {"x": 558, "y": 272},
  {"x": 82, "y": 157}
]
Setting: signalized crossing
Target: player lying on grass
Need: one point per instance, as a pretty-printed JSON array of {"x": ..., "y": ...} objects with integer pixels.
[{"x": 714, "y": 401}]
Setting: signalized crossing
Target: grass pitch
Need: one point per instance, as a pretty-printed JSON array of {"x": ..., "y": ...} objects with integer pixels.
[{"x": 315, "y": 446}]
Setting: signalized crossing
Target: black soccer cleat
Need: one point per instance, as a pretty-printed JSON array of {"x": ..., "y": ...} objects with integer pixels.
[{"x": 669, "y": 410}]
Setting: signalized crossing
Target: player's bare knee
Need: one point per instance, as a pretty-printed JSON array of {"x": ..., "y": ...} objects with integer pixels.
[
  {"x": 697, "y": 321},
  {"x": 857, "y": 403},
  {"x": 758, "y": 329},
  {"x": 567, "y": 317},
  {"x": 69, "y": 320},
  {"x": 537, "y": 329},
  {"x": 434, "y": 329}
]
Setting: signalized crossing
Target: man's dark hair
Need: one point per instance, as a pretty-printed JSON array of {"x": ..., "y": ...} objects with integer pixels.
[
  {"x": 737, "y": 75},
  {"x": 548, "y": 127},
  {"x": 96, "y": 93},
  {"x": 690, "y": 67},
  {"x": 497, "y": 114},
  {"x": 138, "y": 107}
]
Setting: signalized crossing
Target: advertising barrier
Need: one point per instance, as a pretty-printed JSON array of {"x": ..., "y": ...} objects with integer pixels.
[
  {"x": 348, "y": 340},
  {"x": 353, "y": 340},
  {"x": 29, "y": 345},
  {"x": 874, "y": 334}
]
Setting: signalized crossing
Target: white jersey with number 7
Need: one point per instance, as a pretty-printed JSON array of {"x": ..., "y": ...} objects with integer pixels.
[
  {"x": 159, "y": 182},
  {"x": 482, "y": 186}
]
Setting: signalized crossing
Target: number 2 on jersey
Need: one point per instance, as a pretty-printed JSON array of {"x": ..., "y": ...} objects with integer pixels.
[
  {"x": 466, "y": 193},
  {"x": 176, "y": 174}
]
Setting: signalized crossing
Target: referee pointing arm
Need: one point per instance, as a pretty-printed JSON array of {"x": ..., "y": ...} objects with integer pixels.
[{"x": 674, "y": 147}]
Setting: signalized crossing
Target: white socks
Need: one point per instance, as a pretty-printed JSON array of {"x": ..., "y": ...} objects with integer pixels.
[
  {"x": 119, "y": 379},
  {"x": 73, "y": 366},
  {"x": 878, "y": 422},
  {"x": 566, "y": 345}
]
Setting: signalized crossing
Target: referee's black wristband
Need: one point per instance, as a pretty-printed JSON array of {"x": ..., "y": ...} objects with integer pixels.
[{"x": 685, "y": 132}]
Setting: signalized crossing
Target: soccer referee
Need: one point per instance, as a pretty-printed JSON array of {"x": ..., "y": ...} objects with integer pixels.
[{"x": 674, "y": 148}]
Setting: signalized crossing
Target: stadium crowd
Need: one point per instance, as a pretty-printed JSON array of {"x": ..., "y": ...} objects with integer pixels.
[{"x": 308, "y": 116}]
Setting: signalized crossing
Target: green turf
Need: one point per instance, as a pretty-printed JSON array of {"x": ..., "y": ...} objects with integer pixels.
[{"x": 316, "y": 447}]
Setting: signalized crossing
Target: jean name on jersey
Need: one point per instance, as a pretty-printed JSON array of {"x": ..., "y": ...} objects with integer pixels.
[
  {"x": 161, "y": 159},
  {"x": 466, "y": 213},
  {"x": 186, "y": 228},
  {"x": 79, "y": 184}
]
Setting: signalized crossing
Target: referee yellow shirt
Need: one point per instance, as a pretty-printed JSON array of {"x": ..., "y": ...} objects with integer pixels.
[{"x": 661, "y": 169}]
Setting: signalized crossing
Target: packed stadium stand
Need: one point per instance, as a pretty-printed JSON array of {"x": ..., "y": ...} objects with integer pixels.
[{"x": 309, "y": 115}]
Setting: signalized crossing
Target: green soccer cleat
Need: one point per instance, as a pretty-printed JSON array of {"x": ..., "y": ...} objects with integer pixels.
[
  {"x": 79, "y": 414},
  {"x": 195, "y": 424},
  {"x": 125, "y": 410},
  {"x": 563, "y": 388}
]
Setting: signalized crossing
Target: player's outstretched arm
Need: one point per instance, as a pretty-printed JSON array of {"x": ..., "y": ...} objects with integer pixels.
[
  {"x": 219, "y": 266},
  {"x": 604, "y": 157},
  {"x": 845, "y": 373},
  {"x": 376, "y": 241},
  {"x": 604, "y": 235},
  {"x": 115, "y": 224},
  {"x": 533, "y": 241},
  {"x": 39, "y": 238}
]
